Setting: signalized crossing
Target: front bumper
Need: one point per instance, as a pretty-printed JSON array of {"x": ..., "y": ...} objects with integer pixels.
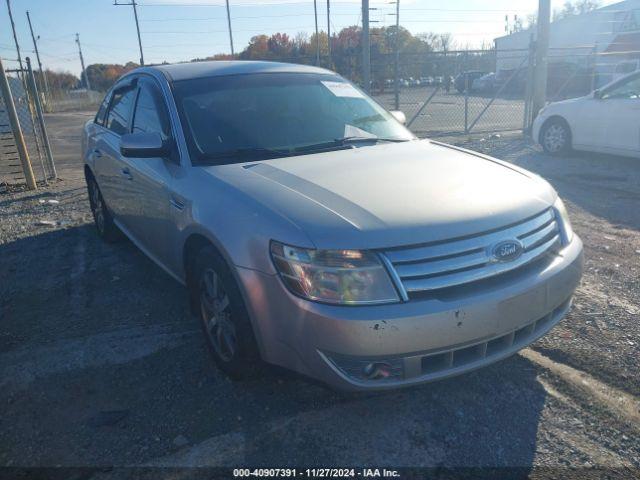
[
  {"x": 537, "y": 126},
  {"x": 420, "y": 340}
]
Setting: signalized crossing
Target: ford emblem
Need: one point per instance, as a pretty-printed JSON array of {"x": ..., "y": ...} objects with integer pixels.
[{"x": 507, "y": 251}]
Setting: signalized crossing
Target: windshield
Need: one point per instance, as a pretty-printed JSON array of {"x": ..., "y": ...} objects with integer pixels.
[{"x": 239, "y": 118}]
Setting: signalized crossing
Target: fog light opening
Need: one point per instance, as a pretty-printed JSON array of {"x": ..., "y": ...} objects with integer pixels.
[{"x": 377, "y": 370}]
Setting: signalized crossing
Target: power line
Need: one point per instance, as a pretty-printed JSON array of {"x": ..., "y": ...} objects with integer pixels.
[
  {"x": 239, "y": 17},
  {"x": 202, "y": 32}
]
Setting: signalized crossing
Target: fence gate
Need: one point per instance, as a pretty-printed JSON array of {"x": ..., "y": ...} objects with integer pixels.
[
  {"x": 456, "y": 92},
  {"x": 31, "y": 123}
]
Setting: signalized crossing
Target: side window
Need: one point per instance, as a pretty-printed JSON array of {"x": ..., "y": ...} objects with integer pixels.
[
  {"x": 628, "y": 90},
  {"x": 102, "y": 111},
  {"x": 120, "y": 109},
  {"x": 151, "y": 114}
]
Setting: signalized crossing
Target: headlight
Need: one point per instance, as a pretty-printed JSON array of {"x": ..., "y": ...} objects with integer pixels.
[
  {"x": 562, "y": 216},
  {"x": 352, "y": 277}
]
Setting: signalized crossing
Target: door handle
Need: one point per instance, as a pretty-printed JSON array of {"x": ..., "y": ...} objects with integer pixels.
[
  {"x": 175, "y": 203},
  {"x": 127, "y": 173}
]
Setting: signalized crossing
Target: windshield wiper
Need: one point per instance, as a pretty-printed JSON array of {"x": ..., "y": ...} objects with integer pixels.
[
  {"x": 344, "y": 143},
  {"x": 356, "y": 139},
  {"x": 242, "y": 154}
]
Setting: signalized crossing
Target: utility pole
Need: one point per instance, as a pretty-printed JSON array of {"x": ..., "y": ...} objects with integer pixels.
[
  {"x": 315, "y": 14},
  {"x": 366, "y": 48},
  {"x": 396, "y": 83},
  {"x": 43, "y": 77},
  {"x": 84, "y": 71},
  {"x": 15, "y": 38},
  {"x": 5, "y": 92},
  {"x": 329, "y": 28},
  {"x": 542, "y": 50},
  {"x": 230, "y": 32},
  {"x": 135, "y": 16}
]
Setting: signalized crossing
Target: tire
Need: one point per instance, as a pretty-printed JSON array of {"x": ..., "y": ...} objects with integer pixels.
[
  {"x": 103, "y": 220},
  {"x": 555, "y": 137},
  {"x": 223, "y": 316}
]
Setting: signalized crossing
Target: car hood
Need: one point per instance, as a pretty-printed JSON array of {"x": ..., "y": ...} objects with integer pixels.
[
  {"x": 568, "y": 101},
  {"x": 391, "y": 194}
]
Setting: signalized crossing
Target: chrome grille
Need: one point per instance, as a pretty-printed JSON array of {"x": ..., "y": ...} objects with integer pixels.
[{"x": 446, "y": 264}]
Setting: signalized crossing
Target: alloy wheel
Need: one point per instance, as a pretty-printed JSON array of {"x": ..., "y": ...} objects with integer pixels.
[
  {"x": 98, "y": 206},
  {"x": 555, "y": 138},
  {"x": 216, "y": 316}
]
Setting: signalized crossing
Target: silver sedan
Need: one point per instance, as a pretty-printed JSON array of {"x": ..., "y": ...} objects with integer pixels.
[{"x": 314, "y": 231}]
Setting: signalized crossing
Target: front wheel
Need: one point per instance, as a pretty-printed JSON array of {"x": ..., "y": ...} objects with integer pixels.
[
  {"x": 102, "y": 218},
  {"x": 555, "y": 137},
  {"x": 223, "y": 316}
]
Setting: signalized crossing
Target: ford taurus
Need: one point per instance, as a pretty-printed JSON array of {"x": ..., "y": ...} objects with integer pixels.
[{"x": 315, "y": 232}]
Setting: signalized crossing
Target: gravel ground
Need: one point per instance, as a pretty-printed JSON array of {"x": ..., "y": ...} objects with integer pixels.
[{"x": 102, "y": 365}]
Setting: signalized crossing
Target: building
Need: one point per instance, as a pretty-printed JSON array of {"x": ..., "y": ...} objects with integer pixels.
[{"x": 603, "y": 44}]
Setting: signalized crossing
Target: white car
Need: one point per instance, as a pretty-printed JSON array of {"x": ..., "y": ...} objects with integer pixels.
[{"x": 605, "y": 121}]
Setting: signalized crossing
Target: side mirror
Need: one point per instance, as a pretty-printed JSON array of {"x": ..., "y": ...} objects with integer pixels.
[
  {"x": 597, "y": 94},
  {"x": 144, "y": 145},
  {"x": 399, "y": 116}
]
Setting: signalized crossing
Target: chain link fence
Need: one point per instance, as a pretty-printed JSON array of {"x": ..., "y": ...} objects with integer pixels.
[
  {"x": 24, "y": 100},
  {"x": 72, "y": 100},
  {"x": 457, "y": 92}
]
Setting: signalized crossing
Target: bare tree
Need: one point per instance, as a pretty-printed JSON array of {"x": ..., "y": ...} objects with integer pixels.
[{"x": 577, "y": 7}]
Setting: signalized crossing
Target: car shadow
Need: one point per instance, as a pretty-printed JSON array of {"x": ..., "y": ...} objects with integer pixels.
[{"x": 104, "y": 365}]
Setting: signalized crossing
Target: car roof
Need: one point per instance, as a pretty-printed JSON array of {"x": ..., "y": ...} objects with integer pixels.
[{"x": 185, "y": 71}]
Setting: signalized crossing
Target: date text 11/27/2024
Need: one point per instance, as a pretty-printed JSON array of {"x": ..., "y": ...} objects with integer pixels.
[{"x": 316, "y": 473}]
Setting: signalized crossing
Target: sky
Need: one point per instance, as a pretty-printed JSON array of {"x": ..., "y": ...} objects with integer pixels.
[{"x": 178, "y": 30}]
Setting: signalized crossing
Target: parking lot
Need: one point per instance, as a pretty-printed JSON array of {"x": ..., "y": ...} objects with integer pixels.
[
  {"x": 445, "y": 112},
  {"x": 102, "y": 365}
]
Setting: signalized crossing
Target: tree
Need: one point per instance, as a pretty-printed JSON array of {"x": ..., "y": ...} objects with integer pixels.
[
  {"x": 103, "y": 75},
  {"x": 280, "y": 45},
  {"x": 578, "y": 7},
  {"x": 258, "y": 48},
  {"x": 346, "y": 55},
  {"x": 61, "y": 81}
]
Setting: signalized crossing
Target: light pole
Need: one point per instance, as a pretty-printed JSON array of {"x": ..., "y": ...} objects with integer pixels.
[
  {"x": 315, "y": 14},
  {"x": 366, "y": 48}
]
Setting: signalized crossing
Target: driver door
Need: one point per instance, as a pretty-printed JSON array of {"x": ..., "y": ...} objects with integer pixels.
[{"x": 148, "y": 215}]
